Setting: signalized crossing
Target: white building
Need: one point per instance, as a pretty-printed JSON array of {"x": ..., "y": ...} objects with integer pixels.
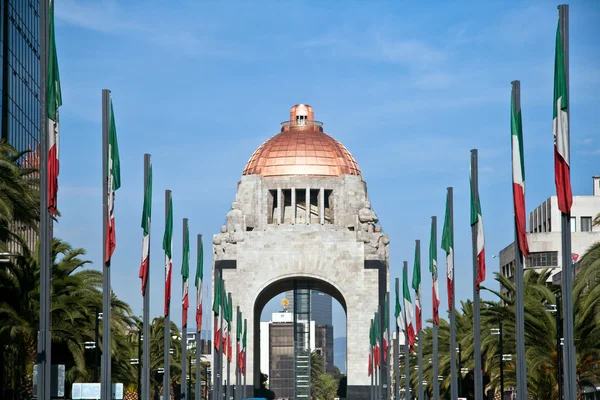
[{"x": 544, "y": 234}]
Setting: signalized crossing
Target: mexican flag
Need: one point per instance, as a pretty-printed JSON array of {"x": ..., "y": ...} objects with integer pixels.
[
  {"x": 229, "y": 320},
  {"x": 370, "y": 365},
  {"x": 185, "y": 274},
  {"x": 434, "y": 275},
  {"x": 168, "y": 248},
  {"x": 386, "y": 324},
  {"x": 560, "y": 128},
  {"x": 398, "y": 313},
  {"x": 518, "y": 173},
  {"x": 146, "y": 217},
  {"x": 372, "y": 344},
  {"x": 477, "y": 222},
  {"x": 216, "y": 308},
  {"x": 409, "y": 329},
  {"x": 448, "y": 247},
  {"x": 416, "y": 285},
  {"x": 238, "y": 337},
  {"x": 53, "y": 101},
  {"x": 224, "y": 310},
  {"x": 376, "y": 352},
  {"x": 113, "y": 183},
  {"x": 243, "y": 361},
  {"x": 198, "y": 283}
]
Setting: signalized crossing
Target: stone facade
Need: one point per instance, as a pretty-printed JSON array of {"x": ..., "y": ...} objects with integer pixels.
[{"x": 279, "y": 244}]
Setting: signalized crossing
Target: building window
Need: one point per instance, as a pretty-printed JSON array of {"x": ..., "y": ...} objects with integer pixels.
[
  {"x": 542, "y": 259},
  {"x": 573, "y": 224},
  {"x": 586, "y": 224}
]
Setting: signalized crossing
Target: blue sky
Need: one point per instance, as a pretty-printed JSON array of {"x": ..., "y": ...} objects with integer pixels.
[{"x": 409, "y": 89}]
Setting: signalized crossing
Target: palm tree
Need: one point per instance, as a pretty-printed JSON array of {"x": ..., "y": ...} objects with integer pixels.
[{"x": 19, "y": 195}]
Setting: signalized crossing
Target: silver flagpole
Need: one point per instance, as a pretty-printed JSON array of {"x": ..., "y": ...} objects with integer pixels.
[
  {"x": 199, "y": 340},
  {"x": 106, "y": 384},
  {"x": 397, "y": 351},
  {"x": 183, "y": 385},
  {"x": 44, "y": 344},
  {"x": 227, "y": 350},
  {"x": 519, "y": 284},
  {"x": 146, "y": 313},
  {"x": 167, "y": 322},
  {"x": 406, "y": 346},
  {"x": 388, "y": 384},
  {"x": 237, "y": 354},
  {"x": 453, "y": 375},
  {"x": 476, "y": 306},
  {"x": 245, "y": 370},
  {"x": 570, "y": 377},
  {"x": 420, "y": 335},
  {"x": 436, "y": 386},
  {"x": 372, "y": 364}
]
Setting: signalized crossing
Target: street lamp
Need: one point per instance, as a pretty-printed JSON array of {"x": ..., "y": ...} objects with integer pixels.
[{"x": 498, "y": 331}]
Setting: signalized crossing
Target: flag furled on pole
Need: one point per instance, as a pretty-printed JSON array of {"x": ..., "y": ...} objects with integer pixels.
[
  {"x": 448, "y": 247},
  {"x": 416, "y": 285},
  {"x": 113, "y": 183},
  {"x": 229, "y": 320},
  {"x": 224, "y": 310},
  {"x": 53, "y": 102},
  {"x": 372, "y": 343},
  {"x": 398, "y": 312},
  {"x": 198, "y": 284},
  {"x": 146, "y": 218},
  {"x": 243, "y": 360},
  {"x": 409, "y": 329},
  {"x": 518, "y": 173},
  {"x": 376, "y": 352},
  {"x": 185, "y": 274},
  {"x": 168, "y": 248},
  {"x": 386, "y": 324},
  {"x": 477, "y": 222},
  {"x": 560, "y": 128},
  {"x": 216, "y": 308},
  {"x": 435, "y": 292},
  {"x": 238, "y": 339}
]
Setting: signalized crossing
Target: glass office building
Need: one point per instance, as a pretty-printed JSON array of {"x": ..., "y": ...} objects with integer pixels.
[{"x": 20, "y": 72}]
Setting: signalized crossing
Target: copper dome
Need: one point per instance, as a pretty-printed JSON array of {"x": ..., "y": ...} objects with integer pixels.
[{"x": 301, "y": 148}]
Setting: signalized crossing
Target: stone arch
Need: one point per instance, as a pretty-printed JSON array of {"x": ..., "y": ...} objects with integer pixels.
[{"x": 280, "y": 285}]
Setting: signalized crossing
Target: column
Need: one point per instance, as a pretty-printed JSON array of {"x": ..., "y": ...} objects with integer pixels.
[
  {"x": 322, "y": 206},
  {"x": 307, "y": 205},
  {"x": 293, "y": 205},
  {"x": 279, "y": 207}
]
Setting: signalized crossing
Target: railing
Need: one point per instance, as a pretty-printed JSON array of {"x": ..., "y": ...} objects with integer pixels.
[{"x": 302, "y": 122}]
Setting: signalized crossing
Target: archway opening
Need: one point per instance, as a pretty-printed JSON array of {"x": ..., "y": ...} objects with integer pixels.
[{"x": 277, "y": 333}]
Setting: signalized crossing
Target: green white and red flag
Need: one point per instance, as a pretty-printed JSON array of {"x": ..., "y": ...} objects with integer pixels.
[
  {"x": 224, "y": 310},
  {"x": 409, "y": 329},
  {"x": 398, "y": 312},
  {"x": 216, "y": 308},
  {"x": 113, "y": 183},
  {"x": 377, "y": 351},
  {"x": 435, "y": 292},
  {"x": 372, "y": 343},
  {"x": 416, "y": 285},
  {"x": 146, "y": 218},
  {"x": 229, "y": 321},
  {"x": 477, "y": 222},
  {"x": 198, "y": 284},
  {"x": 448, "y": 247},
  {"x": 518, "y": 173},
  {"x": 168, "y": 248},
  {"x": 53, "y": 102},
  {"x": 238, "y": 339},
  {"x": 386, "y": 324},
  {"x": 560, "y": 128},
  {"x": 185, "y": 274},
  {"x": 244, "y": 351}
]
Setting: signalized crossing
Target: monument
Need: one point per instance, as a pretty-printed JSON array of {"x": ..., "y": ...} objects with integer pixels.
[{"x": 302, "y": 220}]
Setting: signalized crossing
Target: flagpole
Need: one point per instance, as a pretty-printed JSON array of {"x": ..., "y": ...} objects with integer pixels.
[
  {"x": 570, "y": 377},
  {"x": 388, "y": 384},
  {"x": 519, "y": 284},
  {"x": 221, "y": 351},
  {"x": 420, "y": 334},
  {"x": 397, "y": 352},
  {"x": 183, "y": 383},
  {"x": 237, "y": 354},
  {"x": 167, "y": 322},
  {"x": 199, "y": 336},
  {"x": 380, "y": 355},
  {"x": 227, "y": 350},
  {"x": 245, "y": 370},
  {"x": 44, "y": 336},
  {"x": 106, "y": 384},
  {"x": 406, "y": 347},
  {"x": 372, "y": 364},
  {"x": 146, "y": 312},
  {"x": 476, "y": 306},
  {"x": 453, "y": 374},
  {"x": 436, "y": 385}
]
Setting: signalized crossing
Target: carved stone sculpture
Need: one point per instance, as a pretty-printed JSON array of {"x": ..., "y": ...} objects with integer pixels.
[
  {"x": 367, "y": 218},
  {"x": 376, "y": 243},
  {"x": 222, "y": 248},
  {"x": 235, "y": 224}
]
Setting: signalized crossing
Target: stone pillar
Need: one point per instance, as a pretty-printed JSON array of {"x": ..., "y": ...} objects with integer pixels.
[
  {"x": 307, "y": 205},
  {"x": 293, "y": 205},
  {"x": 322, "y": 206},
  {"x": 279, "y": 207}
]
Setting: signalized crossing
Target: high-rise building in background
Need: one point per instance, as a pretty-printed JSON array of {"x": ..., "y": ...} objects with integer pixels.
[{"x": 20, "y": 87}]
